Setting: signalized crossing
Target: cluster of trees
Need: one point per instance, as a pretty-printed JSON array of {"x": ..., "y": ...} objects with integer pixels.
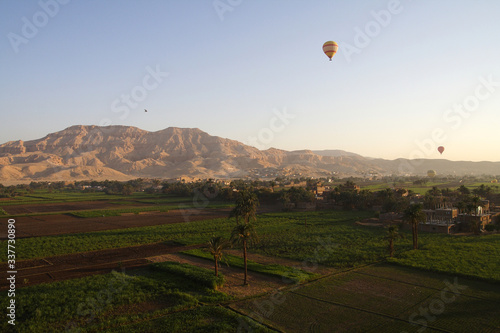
[
  {"x": 10, "y": 191},
  {"x": 413, "y": 215},
  {"x": 388, "y": 199},
  {"x": 397, "y": 200},
  {"x": 243, "y": 233},
  {"x": 463, "y": 198},
  {"x": 294, "y": 195}
]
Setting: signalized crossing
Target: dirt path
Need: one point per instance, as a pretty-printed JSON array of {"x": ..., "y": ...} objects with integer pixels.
[
  {"x": 258, "y": 283},
  {"x": 57, "y": 268}
]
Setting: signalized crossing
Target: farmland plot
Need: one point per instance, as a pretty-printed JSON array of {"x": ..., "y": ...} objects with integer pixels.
[{"x": 382, "y": 298}]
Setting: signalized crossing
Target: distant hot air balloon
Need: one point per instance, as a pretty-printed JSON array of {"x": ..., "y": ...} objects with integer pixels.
[
  {"x": 494, "y": 181},
  {"x": 330, "y": 48},
  {"x": 431, "y": 173},
  {"x": 440, "y": 149}
]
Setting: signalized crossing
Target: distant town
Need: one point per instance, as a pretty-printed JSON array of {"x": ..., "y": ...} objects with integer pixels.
[{"x": 451, "y": 205}]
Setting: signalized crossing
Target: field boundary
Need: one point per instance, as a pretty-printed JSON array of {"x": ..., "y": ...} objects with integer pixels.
[
  {"x": 228, "y": 306},
  {"x": 432, "y": 288}
]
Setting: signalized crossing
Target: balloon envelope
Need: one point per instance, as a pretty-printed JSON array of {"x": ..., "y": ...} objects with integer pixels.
[
  {"x": 431, "y": 173},
  {"x": 330, "y": 48},
  {"x": 440, "y": 149}
]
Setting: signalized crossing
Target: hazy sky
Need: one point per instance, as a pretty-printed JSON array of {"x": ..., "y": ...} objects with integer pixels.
[{"x": 409, "y": 76}]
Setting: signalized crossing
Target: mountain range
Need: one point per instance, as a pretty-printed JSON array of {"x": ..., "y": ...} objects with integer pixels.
[{"x": 125, "y": 152}]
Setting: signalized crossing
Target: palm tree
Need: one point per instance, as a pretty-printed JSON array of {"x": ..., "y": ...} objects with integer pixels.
[
  {"x": 476, "y": 201},
  {"x": 216, "y": 246},
  {"x": 244, "y": 234},
  {"x": 463, "y": 190},
  {"x": 461, "y": 206},
  {"x": 392, "y": 235},
  {"x": 470, "y": 208},
  {"x": 246, "y": 206},
  {"x": 414, "y": 215}
]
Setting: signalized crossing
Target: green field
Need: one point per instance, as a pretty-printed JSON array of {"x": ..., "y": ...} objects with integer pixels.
[
  {"x": 294, "y": 275},
  {"x": 43, "y": 196},
  {"x": 108, "y": 302},
  {"x": 422, "y": 189},
  {"x": 461, "y": 255},
  {"x": 373, "y": 298},
  {"x": 381, "y": 298},
  {"x": 135, "y": 207},
  {"x": 367, "y": 292},
  {"x": 200, "y": 319},
  {"x": 331, "y": 238}
]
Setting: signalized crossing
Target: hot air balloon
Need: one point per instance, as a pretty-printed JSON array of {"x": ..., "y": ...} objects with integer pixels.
[
  {"x": 431, "y": 173},
  {"x": 330, "y": 48},
  {"x": 440, "y": 149}
]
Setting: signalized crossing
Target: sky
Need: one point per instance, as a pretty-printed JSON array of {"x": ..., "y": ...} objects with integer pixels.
[{"x": 409, "y": 76}]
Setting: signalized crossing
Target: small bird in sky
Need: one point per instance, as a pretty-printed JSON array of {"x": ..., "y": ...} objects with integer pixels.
[{"x": 145, "y": 110}]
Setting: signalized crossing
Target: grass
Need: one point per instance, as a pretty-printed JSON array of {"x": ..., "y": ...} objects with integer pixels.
[
  {"x": 202, "y": 276},
  {"x": 461, "y": 255},
  {"x": 120, "y": 211},
  {"x": 331, "y": 238},
  {"x": 170, "y": 296},
  {"x": 422, "y": 189},
  {"x": 381, "y": 298},
  {"x": 199, "y": 319},
  {"x": 334, "y": 241},
  {"x": 290, "y": 274},
  {"x": 164, "y": 200},
  {"x": 93, "y": 213},
  {"x": 43, "y": 196},
  {"x": 194, "y": 232},
  {"x": 101, "y": 302}
]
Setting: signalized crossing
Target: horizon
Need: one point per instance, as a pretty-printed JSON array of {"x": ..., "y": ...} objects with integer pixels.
[
  {"x": 295, "y": 150},
  {"x": 408, "y": 77}
]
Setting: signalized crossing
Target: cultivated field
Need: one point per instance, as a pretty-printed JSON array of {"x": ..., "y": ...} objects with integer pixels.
[
  {"x": 310, "y": 272},
  {"x": 381, "y": 298}
]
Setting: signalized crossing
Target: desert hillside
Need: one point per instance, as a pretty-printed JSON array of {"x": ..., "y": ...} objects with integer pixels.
[{"x": 122, "y": 152}]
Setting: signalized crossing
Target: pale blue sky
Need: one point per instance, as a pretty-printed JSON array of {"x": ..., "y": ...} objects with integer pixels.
[{"x": 229, "y": 72}]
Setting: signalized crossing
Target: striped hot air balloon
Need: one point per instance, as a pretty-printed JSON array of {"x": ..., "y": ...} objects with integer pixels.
[{"x": 330, "y": 48}]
